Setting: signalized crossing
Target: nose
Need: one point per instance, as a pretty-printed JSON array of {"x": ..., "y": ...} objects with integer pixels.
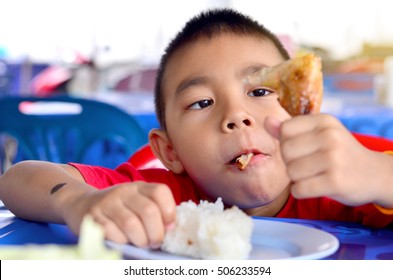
[{"x": 236, "y": 118}]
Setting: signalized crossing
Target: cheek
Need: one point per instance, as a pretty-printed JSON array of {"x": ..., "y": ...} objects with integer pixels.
[
  {"x": 197, "y": 152},
  {"x": 189, "y": 143}
]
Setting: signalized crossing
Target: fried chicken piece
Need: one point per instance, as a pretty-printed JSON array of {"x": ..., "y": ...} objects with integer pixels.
[{"x": 297, "y": 81}]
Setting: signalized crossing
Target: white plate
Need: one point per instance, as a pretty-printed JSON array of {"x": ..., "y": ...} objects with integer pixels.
[{"x": 270, "y": 240}]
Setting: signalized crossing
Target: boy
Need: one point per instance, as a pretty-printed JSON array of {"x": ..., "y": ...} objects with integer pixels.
[{"x": 305, "y": 167}]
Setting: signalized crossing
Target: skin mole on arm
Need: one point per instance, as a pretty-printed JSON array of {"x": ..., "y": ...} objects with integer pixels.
[{"x": 57, "y": 187}]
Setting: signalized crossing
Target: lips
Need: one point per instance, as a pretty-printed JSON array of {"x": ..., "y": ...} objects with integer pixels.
[{"x": 244, "y": 152}]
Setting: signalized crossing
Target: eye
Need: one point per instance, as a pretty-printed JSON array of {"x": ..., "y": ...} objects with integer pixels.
[
  {"x": 259, "y": 92},
  {"x": 201, "y": 104}
]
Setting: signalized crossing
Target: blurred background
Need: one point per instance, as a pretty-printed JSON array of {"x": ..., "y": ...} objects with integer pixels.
[
  {"x": 108, "y": 50},
  {"x": 105, "y": 41}
]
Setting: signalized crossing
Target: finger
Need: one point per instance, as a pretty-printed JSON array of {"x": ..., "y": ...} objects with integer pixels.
[
  {"x": 311, "y": 187},
  {"x": 330, "y": 182},
  {"x": 308, "y": 166},
  {"x": 150, "y": 215},
  {"x": 272, "y": 126},
  {"x": 130, "y": 225},
  {"x": 322, "y": 186},
  {"x": 306, "y": 123},
  {"x": 163, "y": 197},
  {"x": 301, "y": 145},
  {"x": 112, "y": 232}
]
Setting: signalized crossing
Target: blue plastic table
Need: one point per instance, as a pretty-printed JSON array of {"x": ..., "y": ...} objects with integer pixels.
[{"x": 356, "y": 241}]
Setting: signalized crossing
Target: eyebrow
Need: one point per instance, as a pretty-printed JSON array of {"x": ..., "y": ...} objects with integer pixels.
[
  {"x": 203, "y": 80},
  {"x": 191, "y": 82},
  {"x": 253, "y": 69}
]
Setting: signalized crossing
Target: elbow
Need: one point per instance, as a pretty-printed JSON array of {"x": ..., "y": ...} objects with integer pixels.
[
  {"x": 10, "y": 175},
  {"x": 17, "y": 175}
]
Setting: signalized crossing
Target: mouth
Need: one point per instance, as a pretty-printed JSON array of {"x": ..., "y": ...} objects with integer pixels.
[{"x": 242, "y": 159}]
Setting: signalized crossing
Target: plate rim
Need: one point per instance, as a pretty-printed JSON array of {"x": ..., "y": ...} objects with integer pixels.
[
  {"x": 331, "y": 246},
  {"x": 272, "y": 227}
]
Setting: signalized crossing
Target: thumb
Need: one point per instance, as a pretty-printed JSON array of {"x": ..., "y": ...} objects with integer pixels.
[{"x": 273, "y": 127}]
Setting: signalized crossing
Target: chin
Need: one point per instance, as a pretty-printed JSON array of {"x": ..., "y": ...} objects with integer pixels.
[
  {"x": 248, "y": 202},
  {"x": 245, "y": 195}
]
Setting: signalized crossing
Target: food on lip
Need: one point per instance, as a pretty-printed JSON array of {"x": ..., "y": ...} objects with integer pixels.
[
  {"x": 298, "y": 83},
  {"x": 208, "y": 231},
  {"x": 244, "y": 160}
]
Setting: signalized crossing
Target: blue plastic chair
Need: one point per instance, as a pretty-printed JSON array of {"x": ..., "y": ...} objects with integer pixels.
[{"x": 65, "y": 129}]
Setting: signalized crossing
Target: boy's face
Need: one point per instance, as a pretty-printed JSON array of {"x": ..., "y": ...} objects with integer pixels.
[{"x": 213, "y": 117}]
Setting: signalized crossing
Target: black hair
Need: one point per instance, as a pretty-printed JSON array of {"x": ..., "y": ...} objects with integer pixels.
[{"x": 209, "y": 24}]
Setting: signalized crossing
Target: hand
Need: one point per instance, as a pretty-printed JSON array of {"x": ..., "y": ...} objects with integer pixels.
[
  {"x": 324, "y": 159},
  {"x": 136, "y": 212}
]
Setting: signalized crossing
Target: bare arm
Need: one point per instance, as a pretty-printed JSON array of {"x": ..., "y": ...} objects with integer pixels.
[
  {"x": 37, "y": 190},
  {"x": 135, "y": 212}
]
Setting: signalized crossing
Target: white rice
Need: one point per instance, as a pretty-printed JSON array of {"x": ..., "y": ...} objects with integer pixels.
[{"x": 207, "y": 231}]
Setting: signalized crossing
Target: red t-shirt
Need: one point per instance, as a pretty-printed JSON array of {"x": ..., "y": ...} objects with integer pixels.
[{"x": 184, "y": 189}]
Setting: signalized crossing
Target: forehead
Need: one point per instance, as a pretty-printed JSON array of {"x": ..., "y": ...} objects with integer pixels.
[{"x": 216, "y": 56}]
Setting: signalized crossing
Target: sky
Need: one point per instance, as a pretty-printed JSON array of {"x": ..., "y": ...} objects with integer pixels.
[{"x": 128, "y": 30}]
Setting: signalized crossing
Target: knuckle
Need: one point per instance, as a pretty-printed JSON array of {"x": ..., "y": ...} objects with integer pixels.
[
  {"x": 121, "y": 188},
  {"x": 331, "y": 135},
  {"x": 94, "y": 210},
  {"x": 149, "y": 210},
  {"x": 160, "y": 190},
  {"x": 327, "y": 120},
  {"x": 131, "y": 223},
  {"x": 332, "y": 158}
]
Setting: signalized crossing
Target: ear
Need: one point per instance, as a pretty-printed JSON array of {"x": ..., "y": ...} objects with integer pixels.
[{"x": 163, "y": 150}]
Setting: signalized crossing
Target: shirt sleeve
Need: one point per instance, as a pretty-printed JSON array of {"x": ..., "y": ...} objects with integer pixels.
[
  {"x": 101, "y": 177},
  {"x": 182, "y": 187}
]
